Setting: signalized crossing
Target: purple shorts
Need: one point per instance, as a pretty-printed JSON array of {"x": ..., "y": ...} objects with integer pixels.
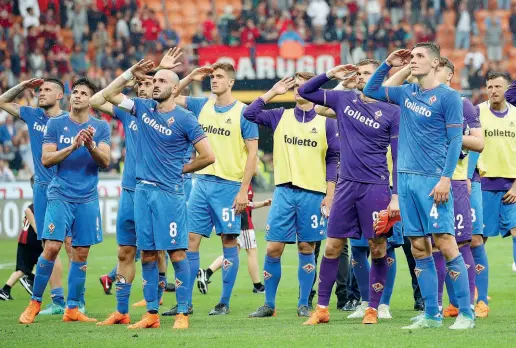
[
  {"x": 462, "y": 211},
  {"x": 355, "y": 207}
]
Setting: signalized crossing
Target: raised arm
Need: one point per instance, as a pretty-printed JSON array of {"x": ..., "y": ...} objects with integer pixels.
[
  {"x": 196, "y": 75},
  {"x": 398, "y": 78},
  {"x": 7, "y": 99},
  {"x": 510, "y": 94},
  {"x": 113, "y": 92},
  {"x": 99, "y": 103}
]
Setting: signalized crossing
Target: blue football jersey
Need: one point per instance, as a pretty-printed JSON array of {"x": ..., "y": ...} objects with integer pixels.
[
  {"x": 36, "y": 121},
  {"x": 188, "y": 158},
  {"x": 77, "y": 176},
  {"x": 163, "y": 142},
  {"x": 131, "y": 133}
]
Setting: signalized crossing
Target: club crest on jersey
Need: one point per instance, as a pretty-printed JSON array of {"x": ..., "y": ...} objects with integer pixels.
[
  {"x": 170, "y": 121},
  {"x": 266, "y": 275},
  {"x": 454, "y": 275},
  {"x": 390, "y": 261},
  {"x": 378, "y": 114},
  {"x": 226, "y": 264},
  {"x": 377, "y": 287},
  {"x": 432, "y": 99},
  {"x": 314, "y": 130},
  {"x": 178, "y": 283},
  {"x": 309, "y": 268},
  {"x": 51, "y": 227},
  {"x": 353, "y": 263},
  {"x": 417, "y": 272},
  {"x": 479, "y": 268}
]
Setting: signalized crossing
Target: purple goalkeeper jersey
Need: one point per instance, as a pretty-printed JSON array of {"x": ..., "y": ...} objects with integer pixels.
[
  {"x": 271, "y": 118},
  {"x": 366, "y": 130}
]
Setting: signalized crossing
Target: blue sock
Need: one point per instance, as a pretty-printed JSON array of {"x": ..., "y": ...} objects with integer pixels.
[
  {"x": 514, "y": 249},
  {"x": 391, "y": 277},
  {"x": 112, "y": 274},
  {"x": 360, "y": 266},
  {"x": 162, "y": 284},
  {"x": 427, "y": 279},
  {"x": 123, "y": 290},
  {"x": 229, "y": 273},
  {"x": 82, "y": 299},
  {"x": 182, "y": 271},
  {"x": 482, "y": 270},
  {"x": 306, "y": 276},
  {"x": 150, "y": 286},
  {"x": 43, "y": 272},
  {"x": 451, "y": 291},
  {"x": 194, "y": 263},
  {"x": 271, "y": 279},
  {"x": 57, "y": 296},
  {"x": 76, "y": 281},
  {"x": 458, "y": 273}
]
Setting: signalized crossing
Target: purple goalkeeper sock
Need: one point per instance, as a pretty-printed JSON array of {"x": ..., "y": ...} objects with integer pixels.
[
  {"x": 377, "y": 277},
  {"x": 327, "y": 277},
  {"x": 441, "y": 275},
  {"x": 467, "y": 255},
  {"x": 360, "y": 266}
]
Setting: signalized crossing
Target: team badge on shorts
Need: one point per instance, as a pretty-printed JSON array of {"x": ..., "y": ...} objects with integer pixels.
[
  {"x": 178, "y": 283},
  {"x": 51, "y": 227},
  {"x": 479, "y": 268},
  {"x": 377, "y": 287},
  {"x": 417, "y": 272},
  {"x": 309, "y": 268},
  {"x": 454, "y": 275},
  {"x": 144, "y": 282},
  {"x": 226, "y": 264},
  {"x": 266, "y": 275},
  {"x": 390, "y": 261}
]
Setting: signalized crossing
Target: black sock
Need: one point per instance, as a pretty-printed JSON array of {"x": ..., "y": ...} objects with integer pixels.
[
  {"x": 7, "y": 288},
  {"x": 153, "y": 311},
  {"x": 258, "y": 285},
  {"x": 209, "y": 273}
]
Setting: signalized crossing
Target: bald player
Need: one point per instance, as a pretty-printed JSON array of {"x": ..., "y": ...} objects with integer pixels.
[{"x": 165, "y": 133}]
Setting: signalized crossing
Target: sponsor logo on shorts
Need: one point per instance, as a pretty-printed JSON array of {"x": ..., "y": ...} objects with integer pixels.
[
  {"x": 162, "y": 284},
  {"x": 435, "y": 225},
  {"x": 51, "y": 227},
  {"x": 178, "y": 283},
  {"x": 479, "y": 268},
  {"x": 267, "y": 228},
  {"x": 377, "y": 287},
  {"x": 83, "y": 268},
  {"x": 390, "y": 261},
  {"x": 417, "y": 272},
  {"x": 454, "y": 275},
  {"x": 309, "y": 268},
  {"x": 353, "y": 263},
  {"x": 226, "y": 264},
  {"x": 266, "y": 275},
  {"x": 173, "y": 241},
  {"x": 144, "y": 282}
]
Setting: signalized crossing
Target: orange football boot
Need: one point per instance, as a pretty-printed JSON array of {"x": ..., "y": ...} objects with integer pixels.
[
  {"x": 319, "y": 316},
  {"x": 451, "y": 311},
  {"x": 370, "y": 316},
  {"x": 148, "y": 321},
  {"x": 29, "y": 314},
  {"x": 73, "y": 314},
  {"x": 383, "y": 223},
  {"x": 116, "y": 318},
  {"x": 181, "y": 322},
  {"x": 481, "y": 310}
]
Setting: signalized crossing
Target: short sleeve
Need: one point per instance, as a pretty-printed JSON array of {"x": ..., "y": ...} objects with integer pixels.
[
  {"x": 139, "y": 106},
  {"x": 27, "y": 113},
  {"x": 195, "y": 105},
  {"x": 51, "y": 134},
  {"x": 120, "y": 114},
  {"x": 192, "y": 129},
  {"x": 104, "y": 135},
  {"x": 248, "y": 128}
]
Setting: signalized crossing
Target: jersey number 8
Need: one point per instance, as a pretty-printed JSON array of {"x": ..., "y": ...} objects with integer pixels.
[{"x": 173, "y": 229}]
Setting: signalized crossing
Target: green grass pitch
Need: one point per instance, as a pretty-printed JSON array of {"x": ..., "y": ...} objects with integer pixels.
[{"x": 236, "y": 330}]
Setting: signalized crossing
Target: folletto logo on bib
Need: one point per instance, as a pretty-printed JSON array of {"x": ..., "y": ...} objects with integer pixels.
[
  {"x": 299, "y": 141},
  {"x": 216, "y": 130}
]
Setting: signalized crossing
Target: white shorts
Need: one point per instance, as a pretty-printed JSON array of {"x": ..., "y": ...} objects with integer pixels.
[{"x": 247, "y": 239}]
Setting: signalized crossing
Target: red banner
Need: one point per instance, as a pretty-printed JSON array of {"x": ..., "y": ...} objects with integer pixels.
[{"x": 264, "y": 62}]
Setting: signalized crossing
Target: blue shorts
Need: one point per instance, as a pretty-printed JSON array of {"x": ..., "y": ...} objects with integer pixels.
[
  {"x": 81, "y": 221},
  {"x": 211, "y": 205},
  {"x": 420, "y": 216},
  {"x": 40, "y": 206},
  {"x": 396, "y": 240},
  {"x": 160, "y": 218},
  {"x": 187, "y": 187},
  {"x": 295, "y": 215},
  {"x": 477, "y": 211},
  {"x": 125, "y": 228},
  {"x": 499, "y": 218}
]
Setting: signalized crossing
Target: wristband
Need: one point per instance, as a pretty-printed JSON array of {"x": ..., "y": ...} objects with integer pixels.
[{"x": 128, "y": 75}]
